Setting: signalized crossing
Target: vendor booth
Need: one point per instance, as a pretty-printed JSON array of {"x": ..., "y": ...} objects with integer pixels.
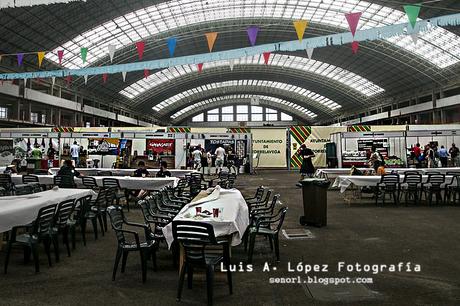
[
  {"x": 31, "y": 152},
  {"x": 238, "y": 147},
  {"x": 126, "y": 149},
  {"x": 353, "y": 148}
]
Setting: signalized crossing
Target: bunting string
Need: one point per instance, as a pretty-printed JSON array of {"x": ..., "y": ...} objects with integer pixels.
[{"x": 371, "y": 34}]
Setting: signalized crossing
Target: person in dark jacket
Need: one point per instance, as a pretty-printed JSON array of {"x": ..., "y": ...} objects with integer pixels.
[
  {"x": 307, "y": 167},
  {"x": 68, "y": 169},
  {"x": 141, "y": 171},
  {"x": 164, "y": 172}
]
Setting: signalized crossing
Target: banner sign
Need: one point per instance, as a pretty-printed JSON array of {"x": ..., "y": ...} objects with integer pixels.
[
  {"x": 212, "y": 144},
  {"x": 161, "y": 146},
  {"x": 270, "y": 145},
  {"x": 103, "y": 146},
  {"x": 315, "y": 138}
]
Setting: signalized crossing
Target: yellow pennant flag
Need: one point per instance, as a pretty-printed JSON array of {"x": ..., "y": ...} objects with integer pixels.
[
  {"x": 300, "y": 26},
  {"x": 211, "y": 37},
  {"x": 41, "y": 56}
]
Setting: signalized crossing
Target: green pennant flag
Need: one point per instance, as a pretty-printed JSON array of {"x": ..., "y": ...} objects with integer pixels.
[
  {"x": 412, "y": 12},
  {"x": 84, "y": 52}
]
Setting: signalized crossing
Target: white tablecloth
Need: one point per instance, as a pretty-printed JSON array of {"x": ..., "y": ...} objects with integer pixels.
[
  {"x": 43, "y": 179},
  {"x": 134, "y": 183},
  {"x": 344, "y": 181},
  {"x": 21, "y": 210},
  {"x": 233, "y": 220},
  {"x": 334, "y": 172},
  {"x": 123, "y": 172}
]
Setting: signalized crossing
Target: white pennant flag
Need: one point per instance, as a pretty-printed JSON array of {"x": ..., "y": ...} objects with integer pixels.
[
  {"x": 25, "y": 82},
  {"x": 112, "y": 49},
  {"x": 310, "y": 52},
  {"x": 414, "y": 37},
  {"x": 231, "y": 63},
  {"x": 53, "y": 80},
  {"x": 123, "y": 74},
  {"x": 86, "y": 79}
]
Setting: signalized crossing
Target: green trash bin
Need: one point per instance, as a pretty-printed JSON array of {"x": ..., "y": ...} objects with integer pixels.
[{"x": 314, "y": 193}]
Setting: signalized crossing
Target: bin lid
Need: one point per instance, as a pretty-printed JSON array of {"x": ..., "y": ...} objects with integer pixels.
[{"x": 316, "y": 181}]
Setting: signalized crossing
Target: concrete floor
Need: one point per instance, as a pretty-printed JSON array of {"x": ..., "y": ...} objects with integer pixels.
[{"x": 361, "y": 233}]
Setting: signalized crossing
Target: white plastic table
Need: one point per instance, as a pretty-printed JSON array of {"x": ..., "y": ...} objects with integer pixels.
[
  {"x": 20, "y": 210},
  {"x": 233, "y": 219}
]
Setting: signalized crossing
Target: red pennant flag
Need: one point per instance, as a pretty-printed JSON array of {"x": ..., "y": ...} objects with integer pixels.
[
  {"x": 104, "y": 77},
  {"x": 353, "y": 20},
  {"x": 355, "y": 47},
  {"x": 60, "y": 54},
  {"x": 68, "y": 79},
  {"x": 266, "y": 57},
  {"x": 200, "y": 67},
  {"x": 140, "y": 45},
  {"x": 146, "y": 73}
]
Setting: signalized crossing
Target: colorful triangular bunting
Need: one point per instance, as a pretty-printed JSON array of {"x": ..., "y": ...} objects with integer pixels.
[
  {"x": 231, "y": 63},
  {"x": 146, "y": 73},
  {"x": 355, "y": 47},
  {"x": 104, "y": 77},
  {"x": 353, "y": 20},
  {"x": 41, "y": 56},
  {"x": 123, "y": 74},
  {"x": 68, "y": 79},
  {"x": 20, "y": 57},
  {"x": 111, "y": 49},
  {"x": 252, "y": 34},
  {"x": 310, "y": 52},
  {"x": 53, "y": 80},
  {"x": 300, "y": 26},
  {"x": 140, "y": 46},
  {"x": 86, "y": 79},
  {"x": 211, "y": 38},
  {"x": 266, "y": 57},
  {"x": 412, "y": 12},
  {"x": 60, "y": 54},
  {"x": 172, "y": 41},
  {"x": 84, "y": 53},
  {"x": 200, "y": 67}
]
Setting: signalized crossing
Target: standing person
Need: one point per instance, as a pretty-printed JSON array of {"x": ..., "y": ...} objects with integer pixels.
[
  {"x": 443, "y": 154},
  {"x": 453, "y": 151},
  {"x": 430, "y": 157},
  {"x": 307, "y": 167},
  {"x": 196, "y": 154},
  {"x": 417, "y": 151},
  {"x": 220, "y": 156},
  {"x": 75, "y": 153},
  {"x": 209, "y": 160}
]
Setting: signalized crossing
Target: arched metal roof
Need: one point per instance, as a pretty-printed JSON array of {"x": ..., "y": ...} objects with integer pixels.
[{"x": 396, "y": 65}]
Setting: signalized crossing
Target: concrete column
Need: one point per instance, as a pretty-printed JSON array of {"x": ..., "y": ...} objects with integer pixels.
[
  {"x": 58, "y": 117},
  {"x": 15, "y": 112}
]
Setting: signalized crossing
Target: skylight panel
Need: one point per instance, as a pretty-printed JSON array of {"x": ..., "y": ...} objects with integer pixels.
[
  {"x": 345, "y": 77},
  {"x": 173, "y": 14},
  {"x": 313, "y": 96}
]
